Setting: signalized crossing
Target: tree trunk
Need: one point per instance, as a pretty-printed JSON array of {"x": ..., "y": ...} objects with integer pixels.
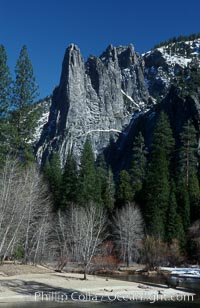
[
  {"x": 127, "y": 260},
  {"x": 127, "y": 256},
  {"x": 85, "y": 272}
]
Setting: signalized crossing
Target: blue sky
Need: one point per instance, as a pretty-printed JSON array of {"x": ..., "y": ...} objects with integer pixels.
[{"x": 47, "y": 27}]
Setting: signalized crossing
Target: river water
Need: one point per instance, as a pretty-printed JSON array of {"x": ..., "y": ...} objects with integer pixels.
[{"x": 189, "y": 283}]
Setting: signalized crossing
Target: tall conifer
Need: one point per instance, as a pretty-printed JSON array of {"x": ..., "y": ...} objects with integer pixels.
[
  {"x": 104, "y": 173},
  {"x": 87, "y": 176},
  {"x": 188, "y": 183},
  {"x": 174, "y": 226},
  {"x": 53, "y": 174},
  {"x": 5, "y": 104},
  {"x": 69, "y": 182},
  {"x": 138, "y": 165},
  {"x": 157, "y": 186},
  {"x": 124, "y": 193},
  {"x": 24, "y": 113}
]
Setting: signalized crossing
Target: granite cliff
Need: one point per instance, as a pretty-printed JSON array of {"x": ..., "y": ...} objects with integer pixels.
[
  {"x": 98, "y": 98},
  {"x": 111, "y": 97}
]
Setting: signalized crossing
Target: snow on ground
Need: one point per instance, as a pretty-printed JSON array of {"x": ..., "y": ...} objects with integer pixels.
[
  {"x": 174, "y": 59},
  {"x": 189, "y": 272},
  {"x": 177, "y": 57}
]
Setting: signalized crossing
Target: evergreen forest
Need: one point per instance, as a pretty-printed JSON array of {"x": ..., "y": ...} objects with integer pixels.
[{"x": 87, "y": 210}]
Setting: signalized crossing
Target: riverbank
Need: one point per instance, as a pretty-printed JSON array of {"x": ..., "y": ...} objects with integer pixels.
[{"x": 47, "y": 285}]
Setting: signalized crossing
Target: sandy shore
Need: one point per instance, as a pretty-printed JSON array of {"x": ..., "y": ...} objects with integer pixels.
[{"x": 71, "y": 287}]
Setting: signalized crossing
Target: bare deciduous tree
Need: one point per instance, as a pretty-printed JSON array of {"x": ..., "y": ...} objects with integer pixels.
[
  {"x": 128, "y": 231},
  {"x": 59, "y": 238},
  {"x": 80, "y": 232},
  {"x": 86, "y": 232},
  {"x": 154, "y": 252},
  {"x": 11, "y": 209},
  {"x": 24, "y": 208},
  {"x": 37, "y": 205}
]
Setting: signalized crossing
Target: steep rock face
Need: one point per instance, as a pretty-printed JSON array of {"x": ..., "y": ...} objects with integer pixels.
[
  {"x": 179, "y": 109},
  {"x": 43, "y": 107},
  {"x": 108, "y": 99},
  {"x": 164, "y": 63},
  {"x": 97, "y": 98}
]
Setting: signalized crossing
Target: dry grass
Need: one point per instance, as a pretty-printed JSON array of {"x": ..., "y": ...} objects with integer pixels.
[{"x": 9, "y": 269}]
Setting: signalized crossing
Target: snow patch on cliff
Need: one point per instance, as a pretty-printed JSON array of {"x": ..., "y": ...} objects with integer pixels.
[{"x": 130, "y": 99}]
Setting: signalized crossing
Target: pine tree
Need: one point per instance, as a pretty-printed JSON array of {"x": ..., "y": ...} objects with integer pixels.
[
  {"x": 124, "y": 188},
  {"x": 157, "y": 194},
  {"x": 99, "y": 183},
  {"x": 163, "y": 137},
  {"x": 172, "y": 214},
  {"x": 5, "y": 83},
  {"x": 187, "y": 179},
  {"x": 53, "y": 174},
  {"x": 24, "y": 113},
  {"x": 138, "y": 165},
  {"x": 183, "y": 204},
  {"x": 101, "y": 170},
  {"x": 188, "y": 152},
  {"x": 68, "y": 186},
  {"x": 88, "y": 188},
  {"x": 157, "y": 184},
  {"x": 5, "y": 104},
  {"x": 181, "y": 235},
  {"x": 105, "y": 175},
  {"x": 108, "y": 194},
  {"x": 174, "y": 225},
  {"x": 46, "y": 170},
  {"x": 194, "y": 196}
]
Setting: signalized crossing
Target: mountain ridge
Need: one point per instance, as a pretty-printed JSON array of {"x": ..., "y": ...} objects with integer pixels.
[
  {"x": 105, "y": 96},
  {"x": 96, "y": 96}
]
